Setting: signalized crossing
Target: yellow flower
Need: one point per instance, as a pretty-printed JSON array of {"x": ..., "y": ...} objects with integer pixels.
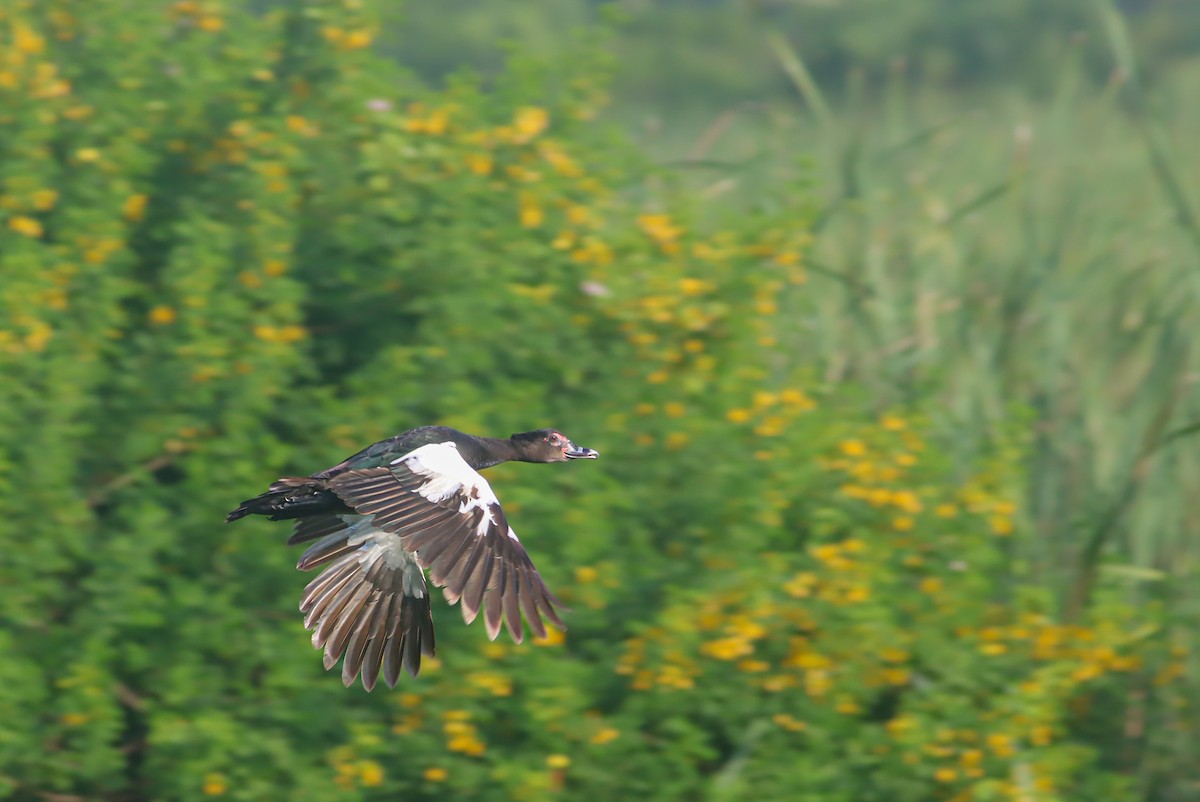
[
  {"x": 817, "y": 682},
  {"x": 467, "y": 744},
  {"x": 87, "y": 155},
  {"x": 438, "y": 121},
  {"x": 930, "y": 585},
  {"x": 211, "y": 24},
  {"x": 26, "y": 226},
  {"x": 214, "y": 784},
  {"x": 605, "y": 736},
  {"x": 356, "y": 40},
  {"x": 496, "y": 684},
  {"x": 811, "y": 660},
  {"x": 658, "y": 227},
  {"x": 748, "y": 627},
  {"x": 290, "y": 334},
  {"x": 480, "y": 163},
  {"x": 371, "y": 773},
  {"x": 770, "y": 427},
  {"x": 764, "y": 399},
  {"x": 558, "y": 761},
  {"x": 1041, "y": 735},
  {"x": 674, "y": 409},
  {"x": 578, "y": 215},
  {"x": 693, "y": 286},
  {"x": 993, "y": 649},
  {"x": 892, "y": 423},
  {"x": 945, "y": 775},
  {"x": 1001, "y": 745},
  {"x": 586, "y": 574},
  {"x": 788, "y": 722},
  {"x": 301, "y": 125},
  {"x": 530, "y": 213},
  {"x": 906, "y": 500},
  {"x": 562, "y": 163},
  {"x": 902, "y": 523},
  {"x": 1002, "y": 525},
  {"x": 727, "y": 648},
  {"x": 162, "y": 315},
  {"x": 779, "y": 682},
  {"x": 44, "y": 199},
  {"x": 677, "y": 440},
  {"x": 528, "y": 122},
  {"x": 74, "y": 719},
  {"x": 945, "y": 511},
  {"x": 737, "y": 415},
  {"x": 853, "y": 448},
  {"x": 134, "y": 207},
  {"x": 26, "y": 40},
  {"x": 554, "y": 637},
  {"x": 800, "y": 585},
  {"x": 435, "y": 774}
]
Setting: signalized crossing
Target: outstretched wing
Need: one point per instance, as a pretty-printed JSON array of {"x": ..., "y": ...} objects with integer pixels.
[
  {"x": 448, "y": 518},
  {"x": 370, "y": 604}
]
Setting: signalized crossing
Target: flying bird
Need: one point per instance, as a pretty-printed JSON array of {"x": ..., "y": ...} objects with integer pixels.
[{"x": 382, "y": 518}]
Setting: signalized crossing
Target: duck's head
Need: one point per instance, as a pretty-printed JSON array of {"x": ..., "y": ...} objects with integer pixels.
[{"x": 549, "y": 445}]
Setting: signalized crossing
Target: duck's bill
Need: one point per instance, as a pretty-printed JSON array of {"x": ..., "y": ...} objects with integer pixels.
[{"x": 578, "y": 452}]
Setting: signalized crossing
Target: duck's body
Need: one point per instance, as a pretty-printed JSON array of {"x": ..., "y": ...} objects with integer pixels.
[{"x": 398, "y": 507}]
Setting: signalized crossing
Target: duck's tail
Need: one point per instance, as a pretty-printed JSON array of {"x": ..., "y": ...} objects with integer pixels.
[{"x": 291, "y": 497}]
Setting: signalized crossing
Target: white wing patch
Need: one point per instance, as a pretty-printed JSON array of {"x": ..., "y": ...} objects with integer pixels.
[
  {"x": 375, "y": 544},
  {"x": 448, "y": 476}
]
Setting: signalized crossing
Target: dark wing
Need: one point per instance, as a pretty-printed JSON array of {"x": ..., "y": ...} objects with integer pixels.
[
  {"x": 370, "y": 604},
  {"x": 448, "y": 518}
]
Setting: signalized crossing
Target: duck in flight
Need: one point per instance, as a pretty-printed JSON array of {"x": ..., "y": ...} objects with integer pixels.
[{"x": 382, "y": 518}]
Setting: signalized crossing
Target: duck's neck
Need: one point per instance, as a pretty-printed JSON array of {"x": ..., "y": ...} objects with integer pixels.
[{"x": 488, "y": 451}]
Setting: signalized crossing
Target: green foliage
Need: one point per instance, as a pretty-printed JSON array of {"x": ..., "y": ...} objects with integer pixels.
[{"x": 239, "y": 246}]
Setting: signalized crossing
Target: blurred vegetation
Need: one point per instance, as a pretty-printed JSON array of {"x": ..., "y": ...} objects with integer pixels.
[
  {"x": 685, "y": 53},
  {"x": 894, "y": 496}
]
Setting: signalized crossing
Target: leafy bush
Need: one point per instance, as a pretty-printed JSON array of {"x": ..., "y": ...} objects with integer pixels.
[{"x": 236, "y": 246}]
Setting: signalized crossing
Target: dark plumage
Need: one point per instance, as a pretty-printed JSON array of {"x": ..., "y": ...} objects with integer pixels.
[{"x": 381, "y": 518}]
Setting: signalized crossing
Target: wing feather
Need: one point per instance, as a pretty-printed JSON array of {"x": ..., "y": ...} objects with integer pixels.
[{"x": 448, "y": 518}]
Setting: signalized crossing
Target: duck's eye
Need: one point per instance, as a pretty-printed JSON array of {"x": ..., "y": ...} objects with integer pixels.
[{"x": 553, "y": 440}]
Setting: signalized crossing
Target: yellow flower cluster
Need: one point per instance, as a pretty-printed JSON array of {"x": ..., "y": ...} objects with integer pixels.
[
  {"x": 461, "y": 735},
  {"x": 665, "y": 233},
  {"x": 353, "y": 771},
  {"x": 494, "y": 682},
  {"x": 772, "y": 411},
  {"x": 280, "y": 334},
  {"x": 348, "y": 39}
]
